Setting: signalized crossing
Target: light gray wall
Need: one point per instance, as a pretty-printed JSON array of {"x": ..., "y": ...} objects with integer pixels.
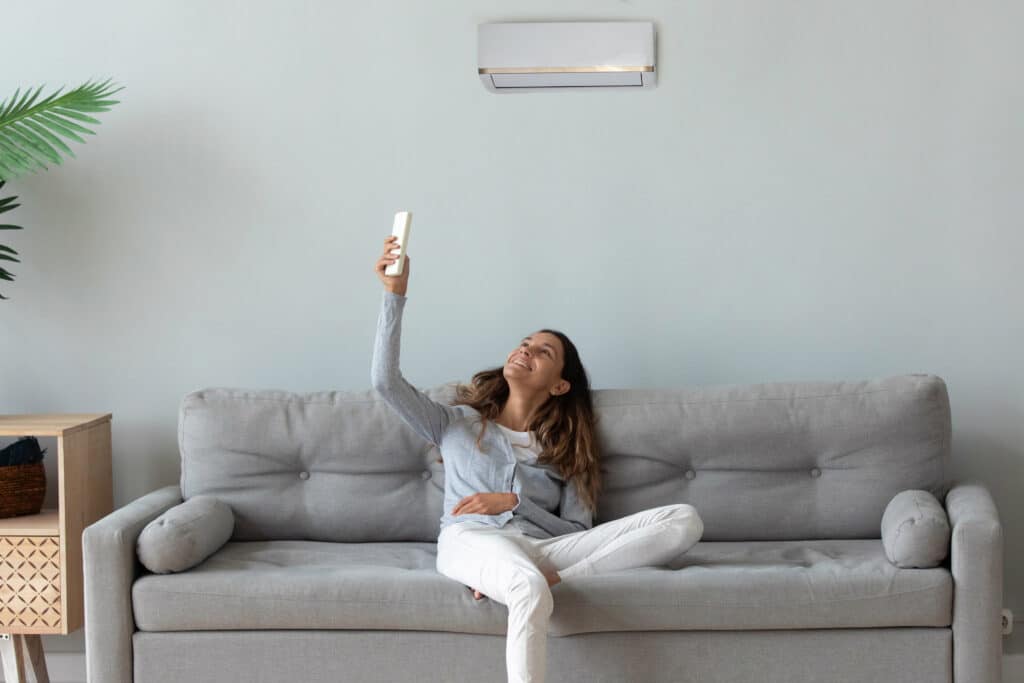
[{"x": 815, "y": 190}]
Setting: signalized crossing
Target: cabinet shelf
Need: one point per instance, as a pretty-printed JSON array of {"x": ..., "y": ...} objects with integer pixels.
[{"x": 45, "y": 523}]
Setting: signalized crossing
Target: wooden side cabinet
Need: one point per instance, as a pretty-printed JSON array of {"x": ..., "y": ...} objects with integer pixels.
[{"x": 41, "y": 555}]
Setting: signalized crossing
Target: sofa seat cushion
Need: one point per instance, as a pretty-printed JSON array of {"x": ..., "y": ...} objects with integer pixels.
[{"x": 395, "y": 585}]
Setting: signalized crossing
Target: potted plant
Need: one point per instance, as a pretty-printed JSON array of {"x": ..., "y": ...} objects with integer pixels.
[{"x": 31, "y": 132}]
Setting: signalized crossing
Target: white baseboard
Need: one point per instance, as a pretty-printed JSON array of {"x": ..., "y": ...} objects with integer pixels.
[{"x": 69, "y": 667}]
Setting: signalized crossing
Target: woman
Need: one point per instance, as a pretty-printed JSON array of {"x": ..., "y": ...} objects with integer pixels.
[{"x": 520, "y": 494}]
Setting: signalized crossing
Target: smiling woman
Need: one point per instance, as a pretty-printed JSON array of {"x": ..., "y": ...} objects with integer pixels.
[{"x": 520, "y": 494}]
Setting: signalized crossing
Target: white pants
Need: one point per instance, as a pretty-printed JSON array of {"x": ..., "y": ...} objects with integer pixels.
[{"x": 505, "y": 565}]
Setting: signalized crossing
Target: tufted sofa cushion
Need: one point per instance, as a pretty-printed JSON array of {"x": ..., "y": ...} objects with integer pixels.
[
  {"x": 733, "y": 586},
  {"x": 772, "y": 461}
]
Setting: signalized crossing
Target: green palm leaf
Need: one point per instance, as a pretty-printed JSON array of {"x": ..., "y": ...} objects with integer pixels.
[{"x": 31, "y": 133}]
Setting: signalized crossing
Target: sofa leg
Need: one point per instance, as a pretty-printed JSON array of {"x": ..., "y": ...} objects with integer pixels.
[{"x": 15, "y": 650}]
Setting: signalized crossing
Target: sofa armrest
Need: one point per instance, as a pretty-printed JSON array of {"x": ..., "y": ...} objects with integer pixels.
[
  {"x": 110, "y": 566},
  {"x": 976, "y": 562}
]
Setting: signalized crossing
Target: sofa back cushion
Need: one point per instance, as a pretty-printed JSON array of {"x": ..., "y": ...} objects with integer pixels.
[{"x": 779, "y": 460}]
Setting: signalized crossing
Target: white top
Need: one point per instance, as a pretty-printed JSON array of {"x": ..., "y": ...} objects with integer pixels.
[{"x": 524, "y": 444}]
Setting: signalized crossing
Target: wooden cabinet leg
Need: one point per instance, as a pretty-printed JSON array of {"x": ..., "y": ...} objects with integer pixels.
[
  {"x": 12, "y": 652},
  {"x": 15, "y": 651},
  {"x": 36, "y": 660}
]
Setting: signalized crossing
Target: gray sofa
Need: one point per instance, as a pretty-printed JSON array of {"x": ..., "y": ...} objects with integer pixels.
[{"x": 329, "y": 574}]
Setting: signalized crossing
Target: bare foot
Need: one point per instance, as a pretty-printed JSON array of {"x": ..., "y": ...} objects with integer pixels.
[{"x": 552, "y": 577}]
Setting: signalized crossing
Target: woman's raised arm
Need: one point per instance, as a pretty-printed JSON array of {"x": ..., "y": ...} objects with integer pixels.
[{"x": 427, "y": 417}]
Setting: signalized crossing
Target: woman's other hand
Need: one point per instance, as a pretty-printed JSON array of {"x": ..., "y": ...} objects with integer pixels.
[
  {"x": 485, "y": 503},
  {"x": 393, "y": 283}
]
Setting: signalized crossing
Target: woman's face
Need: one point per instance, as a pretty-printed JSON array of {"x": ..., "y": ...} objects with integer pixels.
[{"x": 537, "y": 364}]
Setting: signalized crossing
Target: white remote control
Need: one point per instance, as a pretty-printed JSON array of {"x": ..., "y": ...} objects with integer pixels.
[{"x": 403, "y": 219}]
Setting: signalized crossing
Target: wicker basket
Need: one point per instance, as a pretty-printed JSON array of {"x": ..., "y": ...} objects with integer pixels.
[{"x": 22, "y": 489}]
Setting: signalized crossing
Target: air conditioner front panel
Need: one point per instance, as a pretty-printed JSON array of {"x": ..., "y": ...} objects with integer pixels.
[{"x": 537, "y": 55}]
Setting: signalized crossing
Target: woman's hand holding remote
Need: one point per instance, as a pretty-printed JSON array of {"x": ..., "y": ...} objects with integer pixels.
[{"x": 393, "y": 283}]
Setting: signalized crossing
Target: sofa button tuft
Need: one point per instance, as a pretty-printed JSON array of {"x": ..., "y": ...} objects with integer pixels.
[
  {"x": 690, "y": 474},
  {"x": 303, "y": 474},
  {"x": 815, "y": 472},
  {"x": 426, "y": 474}
]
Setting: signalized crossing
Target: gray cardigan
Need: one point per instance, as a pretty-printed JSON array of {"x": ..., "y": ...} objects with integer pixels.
[{"x": 453, "y": 429}]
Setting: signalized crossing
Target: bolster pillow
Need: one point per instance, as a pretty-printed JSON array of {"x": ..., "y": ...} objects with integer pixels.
[
  {"x": 185, "y": 534},
  {"x": 915, "y": 530}
]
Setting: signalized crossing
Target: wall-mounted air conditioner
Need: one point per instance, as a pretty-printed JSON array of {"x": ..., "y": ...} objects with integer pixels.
[{"x": 554, "y": 55}]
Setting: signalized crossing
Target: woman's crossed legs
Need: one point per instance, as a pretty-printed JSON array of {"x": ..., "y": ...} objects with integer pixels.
[{"x": 510, "y": 567}]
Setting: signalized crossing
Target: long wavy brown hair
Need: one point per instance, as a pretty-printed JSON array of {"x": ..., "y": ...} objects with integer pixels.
[{"x": 565, "y": 425}]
